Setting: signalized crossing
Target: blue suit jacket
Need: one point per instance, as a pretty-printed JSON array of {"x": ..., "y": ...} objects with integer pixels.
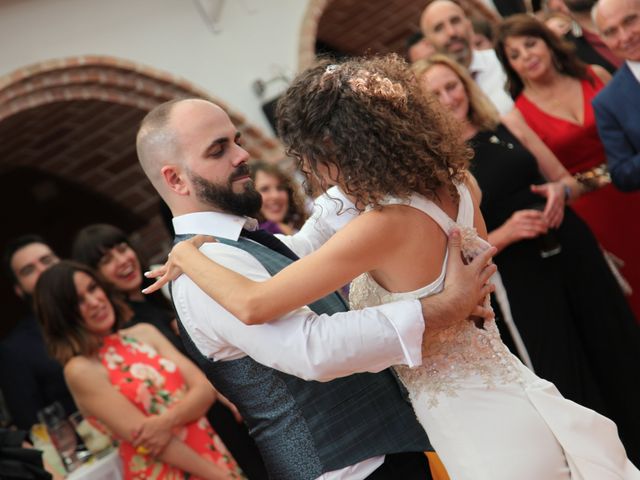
[{"x": 617, "y": 110}]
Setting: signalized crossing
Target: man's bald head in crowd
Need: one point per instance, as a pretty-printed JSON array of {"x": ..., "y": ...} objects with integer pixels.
[
  {"x": 618, "y": 22},
  {"x": 446, "y": 26}
]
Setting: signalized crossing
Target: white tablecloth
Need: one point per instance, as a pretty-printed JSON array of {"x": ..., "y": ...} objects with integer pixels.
[{"x": 107, "y": 468}]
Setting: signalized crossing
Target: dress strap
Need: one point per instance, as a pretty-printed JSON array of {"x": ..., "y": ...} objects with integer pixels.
[{"x": 465, "y": 209}]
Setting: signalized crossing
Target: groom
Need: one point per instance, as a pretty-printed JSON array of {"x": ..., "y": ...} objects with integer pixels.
[{"x": 304, "y": 383}]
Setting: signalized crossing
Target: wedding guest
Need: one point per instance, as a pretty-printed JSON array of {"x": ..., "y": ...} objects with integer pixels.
[
  {"x": 590, "y": 46},
  {"x": 574, "y": 320},
  {"x": 418, "y": 47},
  {"x": 448, "y": 29},
  {"x": 131, "y": 381},
  {"x": 482, "y": 35},
  {"x": 553, "y": 92},
  {"x": 108, "y": 250},
  {"x": 29, "y": 378},
  {"x": 283, "y": 209},
  {"x": 618, "y": 104}
]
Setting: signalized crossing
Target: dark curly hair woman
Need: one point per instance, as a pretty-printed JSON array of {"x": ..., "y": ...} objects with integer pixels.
[{"x": 365, "y": 126}]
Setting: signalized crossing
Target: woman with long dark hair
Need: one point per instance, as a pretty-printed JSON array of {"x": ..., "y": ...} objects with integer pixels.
[
  {"x": 108, "y": 250},
  {"x": 553, "y": 91},
  {"x": 130, "y": 381}
]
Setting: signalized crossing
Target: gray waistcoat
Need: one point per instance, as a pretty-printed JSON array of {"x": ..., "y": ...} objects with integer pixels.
[{"x": 306, "y": 428}]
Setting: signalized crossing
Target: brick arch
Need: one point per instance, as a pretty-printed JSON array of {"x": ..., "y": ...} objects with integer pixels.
[
  {"x": 76, "y": 118},
  {"x": 112, "y": 80},
  {"x": 309, "y": 32}
]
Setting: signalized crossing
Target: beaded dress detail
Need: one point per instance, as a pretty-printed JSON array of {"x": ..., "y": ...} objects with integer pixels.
[
  {"x": 451, "y": 354},
  {"x": 487, "y": 415}
]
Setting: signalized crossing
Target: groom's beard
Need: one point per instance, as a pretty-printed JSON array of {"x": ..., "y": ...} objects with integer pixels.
[{"x": 223, "y": 198}]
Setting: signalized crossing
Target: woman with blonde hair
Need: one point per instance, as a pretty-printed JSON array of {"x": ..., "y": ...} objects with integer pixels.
[
  {"x": 366, "y": 126},
  {"x": 573, "y": 318}
]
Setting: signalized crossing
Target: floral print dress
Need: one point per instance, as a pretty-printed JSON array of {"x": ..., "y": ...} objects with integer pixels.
[{"x": 154, "y": 384}]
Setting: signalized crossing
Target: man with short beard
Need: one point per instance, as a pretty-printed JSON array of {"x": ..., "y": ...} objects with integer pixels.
[
  {"x": 589, "y": 46},
  {"x": 445, "y": 25},
  {"x": 303, "y": 383}
]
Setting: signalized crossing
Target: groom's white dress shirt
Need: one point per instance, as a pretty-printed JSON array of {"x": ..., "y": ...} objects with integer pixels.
[{"x": 301, "y": 343}]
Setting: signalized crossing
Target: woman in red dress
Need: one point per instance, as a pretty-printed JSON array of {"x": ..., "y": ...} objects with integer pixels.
[
  {"x": 553, "y": 92},
  {"x": 132, "y": 382}
]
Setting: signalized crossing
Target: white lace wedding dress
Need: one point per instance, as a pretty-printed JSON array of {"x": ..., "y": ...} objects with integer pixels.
[{"x": 487, "y": 415}]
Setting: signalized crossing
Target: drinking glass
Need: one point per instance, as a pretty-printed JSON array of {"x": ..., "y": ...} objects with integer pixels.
[
  {"x": 548, "y": 243},
  {"x": 97, "y": 442},
  {"x": 61, "y": 433}
]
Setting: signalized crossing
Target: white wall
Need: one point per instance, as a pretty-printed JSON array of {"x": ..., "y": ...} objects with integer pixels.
[{"x": 257, "y": 39}]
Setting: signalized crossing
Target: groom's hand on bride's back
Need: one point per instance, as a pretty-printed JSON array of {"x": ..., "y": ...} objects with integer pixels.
[{"x": 465, "y": 288}]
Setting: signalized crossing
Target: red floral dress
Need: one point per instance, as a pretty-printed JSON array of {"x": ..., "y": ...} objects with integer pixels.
[{"x": 153, "y": 384}]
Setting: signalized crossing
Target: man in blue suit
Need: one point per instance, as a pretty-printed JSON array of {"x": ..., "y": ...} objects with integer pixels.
[{"x": 617, "y": 106}]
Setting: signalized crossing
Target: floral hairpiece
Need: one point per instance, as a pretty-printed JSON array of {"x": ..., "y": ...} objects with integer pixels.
[{"x": 331, "y": 68}]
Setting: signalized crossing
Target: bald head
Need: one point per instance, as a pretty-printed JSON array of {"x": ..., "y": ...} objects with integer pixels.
[
  {"x": 157, "y": 143},
  {"x": 445, "y": 25},
  {"x": 618, "y": 22}
]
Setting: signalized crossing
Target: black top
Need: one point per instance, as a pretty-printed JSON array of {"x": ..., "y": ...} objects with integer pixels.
[
  {"x": 29, "y": 378},
  {"x": 147, "y": 311},
  {"x": 572, "y": 316}
]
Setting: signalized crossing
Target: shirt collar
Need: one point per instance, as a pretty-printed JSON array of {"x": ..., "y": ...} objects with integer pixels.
[
  {"x": 218, "y": 224},
  {"x": 478, "y": 62},
  {"x": 635, "y": 69}
]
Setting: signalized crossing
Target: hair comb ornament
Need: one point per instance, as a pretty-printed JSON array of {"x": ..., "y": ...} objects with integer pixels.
[{"x": 331, "y": 68}]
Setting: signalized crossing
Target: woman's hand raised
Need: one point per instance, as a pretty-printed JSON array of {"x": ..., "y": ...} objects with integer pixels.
[{"x": 172, "y": 269}]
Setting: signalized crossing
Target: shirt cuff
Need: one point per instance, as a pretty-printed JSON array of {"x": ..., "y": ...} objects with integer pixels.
[{"x": 406, "y": 318}]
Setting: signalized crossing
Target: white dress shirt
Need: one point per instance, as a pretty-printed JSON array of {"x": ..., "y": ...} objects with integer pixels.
[
  {"x": 635, "y": 69},
  {"x": 301, "y": 343},
  {"x": 487, "y": 71},
  {"x": 331, "y": 211}
]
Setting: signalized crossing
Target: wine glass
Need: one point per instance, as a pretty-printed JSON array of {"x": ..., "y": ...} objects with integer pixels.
[{"x": 61, "y": 433}]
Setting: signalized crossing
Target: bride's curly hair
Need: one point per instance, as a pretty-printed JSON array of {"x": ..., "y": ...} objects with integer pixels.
[{"x": 370, "y": 118}]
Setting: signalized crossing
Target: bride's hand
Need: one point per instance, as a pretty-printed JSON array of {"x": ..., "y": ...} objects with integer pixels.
[{"x": 172, "y": 268}]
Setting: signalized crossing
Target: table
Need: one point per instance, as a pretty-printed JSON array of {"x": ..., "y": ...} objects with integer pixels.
[{"x": 106, "y": 468}]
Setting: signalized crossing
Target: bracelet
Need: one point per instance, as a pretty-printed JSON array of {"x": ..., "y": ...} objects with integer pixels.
[
  {"x": 567, "y": 192},
  {"x": 594, "y": 178}
]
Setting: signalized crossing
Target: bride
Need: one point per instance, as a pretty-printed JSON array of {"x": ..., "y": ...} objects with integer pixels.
[{"x": 365, "y": 126}]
